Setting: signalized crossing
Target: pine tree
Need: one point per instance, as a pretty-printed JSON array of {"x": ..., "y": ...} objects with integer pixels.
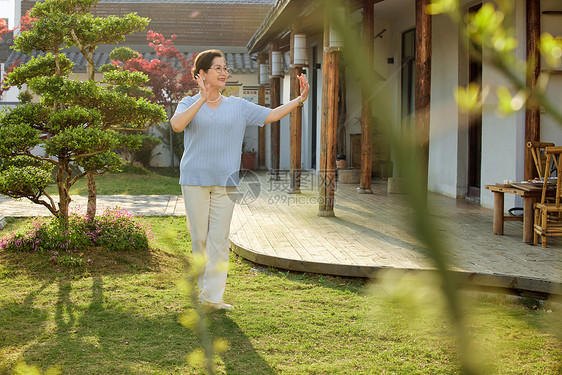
[{"x": 76, "y": 122}]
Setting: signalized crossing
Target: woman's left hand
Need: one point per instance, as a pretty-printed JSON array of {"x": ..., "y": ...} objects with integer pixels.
[{"x": 304, "y": 87}]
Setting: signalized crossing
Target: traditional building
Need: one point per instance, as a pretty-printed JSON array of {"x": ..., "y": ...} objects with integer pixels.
[{"x": 418, "y": 61}]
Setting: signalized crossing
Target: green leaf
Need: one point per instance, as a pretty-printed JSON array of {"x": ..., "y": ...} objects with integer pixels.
[
  {"x": 123, "y": 54},
  {"x": 442, "y": 6},
  {"x": 508, "y": 104},
  {"x": 21, "y": 182},
  {"x": 81, "y": 141},
  {"x": 39, "y": 66},
  {"x": 125, "y": 78},
  {"x": 551, "y": 49},
  {"x": 468, "y": 98}
]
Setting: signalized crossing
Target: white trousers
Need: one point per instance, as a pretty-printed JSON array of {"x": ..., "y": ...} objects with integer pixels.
[{"x": 209, "y": 213}]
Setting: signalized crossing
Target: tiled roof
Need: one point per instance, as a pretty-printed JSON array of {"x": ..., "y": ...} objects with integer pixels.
[
  {"x": 196, "y": 23},
  {"x": 217, "y": 2},
  {"x": 240, "y": 62}
]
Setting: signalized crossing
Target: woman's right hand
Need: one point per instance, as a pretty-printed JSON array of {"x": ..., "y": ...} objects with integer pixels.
[{"x": 202, "y": 87}]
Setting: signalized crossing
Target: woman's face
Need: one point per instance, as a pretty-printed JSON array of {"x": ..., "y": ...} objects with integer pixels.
[{"x": 217, "y": 74}]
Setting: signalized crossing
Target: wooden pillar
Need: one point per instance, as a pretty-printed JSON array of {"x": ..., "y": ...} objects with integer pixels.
[
  {"x": 330, "y": 84},
  {"x": 296, "y": 122},
  {"x": 532, "y": 112},
  {"x": 261, "y": 130},
  {"x": 366, "y": 109},
  {"x": 423, "y": 86},
  {"x": 296, "y": 134},
  {"x": 275, "y": 99}
]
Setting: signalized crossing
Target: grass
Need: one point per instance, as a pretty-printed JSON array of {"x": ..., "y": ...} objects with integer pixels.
[
  {"x": 120, "y": 316},
  {"x": 162, "y": 181}
]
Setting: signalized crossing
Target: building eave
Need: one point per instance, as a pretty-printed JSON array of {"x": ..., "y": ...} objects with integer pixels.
[
  {"x": 307, "y": 14},
  {"x": 267, "y": 28}
]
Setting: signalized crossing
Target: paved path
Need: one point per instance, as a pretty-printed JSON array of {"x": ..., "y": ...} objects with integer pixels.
[{"x": 370, "y": 232}]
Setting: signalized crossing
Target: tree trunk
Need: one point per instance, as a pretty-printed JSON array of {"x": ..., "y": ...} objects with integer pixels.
[
  {"x": 64, "y": 196},
  {"x": 92, "y": 196},
  {"x": 90, "y": 175}
]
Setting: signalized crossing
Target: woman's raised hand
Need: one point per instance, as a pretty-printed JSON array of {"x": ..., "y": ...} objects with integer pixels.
[
  {"x": 202, "y": 87},
  {"x": 304, "y": 86}
]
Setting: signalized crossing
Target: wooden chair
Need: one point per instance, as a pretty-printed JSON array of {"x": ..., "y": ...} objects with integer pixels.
[
  {"x": 548, "y": 213},
  {"x": 539, "y": 157}
]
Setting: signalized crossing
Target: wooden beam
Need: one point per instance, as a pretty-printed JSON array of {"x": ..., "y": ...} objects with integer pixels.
[
  {"x": 296, "y": 122},
  {"x": 275, "y": 99},
  {"x": 261, "y": 131},
  {"x": 532, "y": 110},
  {"x": 423, "y": 86},
  {"x": 330, "y": 83},
  {"x": 366, "y": 109}
]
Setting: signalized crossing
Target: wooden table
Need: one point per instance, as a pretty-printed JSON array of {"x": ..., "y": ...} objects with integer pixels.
[{"x": 531, "y": 193}]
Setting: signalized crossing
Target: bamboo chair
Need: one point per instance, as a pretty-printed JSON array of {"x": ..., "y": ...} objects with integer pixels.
[
  {"x": 539, "y": 157},
  {"x": 548, "y": 214}
]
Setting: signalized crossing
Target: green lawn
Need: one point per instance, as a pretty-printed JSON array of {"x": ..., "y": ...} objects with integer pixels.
[
  {"x": 120, "y": 316},
  {"x": 163, "y": 181}
]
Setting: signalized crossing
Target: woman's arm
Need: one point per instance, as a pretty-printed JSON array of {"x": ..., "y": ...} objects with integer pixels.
[
  {"x": 283, "y": 110},
  {"x": 278, "y": 113},
  {"x": 180, "y": 120}
]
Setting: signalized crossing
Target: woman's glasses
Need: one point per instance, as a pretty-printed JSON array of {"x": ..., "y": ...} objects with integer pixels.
[{"x": 220, "y": 69}]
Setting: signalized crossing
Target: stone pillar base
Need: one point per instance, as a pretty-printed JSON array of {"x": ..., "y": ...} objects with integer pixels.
[
  {"x": 349, "y": 175},
  {"x": 326, "y": 213},
  {"x": 395, "y": 185}
]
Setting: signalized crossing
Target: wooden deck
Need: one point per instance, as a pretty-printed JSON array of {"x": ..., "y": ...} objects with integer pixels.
[{"x": 373, "y": 231}]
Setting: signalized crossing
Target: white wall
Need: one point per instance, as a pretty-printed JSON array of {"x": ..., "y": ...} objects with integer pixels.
[
  {"x": 11, "y": 96},
  {"x": 502, "y": 137},
  {"x": 444, "y": 128},
  {"x": 7, "y": 10},
  {"x": 392, "y": 92},
  {"x": 285, "y": 127}
]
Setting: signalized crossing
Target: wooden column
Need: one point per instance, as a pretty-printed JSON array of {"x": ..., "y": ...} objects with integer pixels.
[
  {"x": 296, "y": 134},
  {"x": 423, "y": 86},
  {"x": 532, "y": 112},
  {"x": 296, "y": 123},
  {"x": 366, "y": 109},
  {"x": 261, "y": 130},
  {"x": 275, "y": 99},
  {"x": 330, "y": 84}
]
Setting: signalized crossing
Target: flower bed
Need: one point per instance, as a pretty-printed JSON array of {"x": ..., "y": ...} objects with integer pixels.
[{"x": 115, "y": 230}]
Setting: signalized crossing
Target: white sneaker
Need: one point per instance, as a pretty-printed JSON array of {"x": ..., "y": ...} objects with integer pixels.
[{"x": 217, "y": 305}]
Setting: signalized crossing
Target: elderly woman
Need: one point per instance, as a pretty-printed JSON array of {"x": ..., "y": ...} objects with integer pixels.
[{"x": 214, "y": 127}]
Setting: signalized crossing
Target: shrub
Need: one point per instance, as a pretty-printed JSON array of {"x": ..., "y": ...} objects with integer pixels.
[
  {"x": 115, "y": 230},
  {"x": 135, "y": 168}
]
